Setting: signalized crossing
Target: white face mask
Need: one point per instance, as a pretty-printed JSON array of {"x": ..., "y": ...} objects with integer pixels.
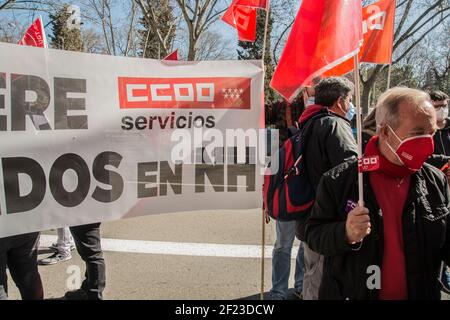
[{"x": 442, "y": 114}]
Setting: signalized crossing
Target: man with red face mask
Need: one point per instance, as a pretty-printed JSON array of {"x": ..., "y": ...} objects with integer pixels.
[{"x": 392, "y": 247}]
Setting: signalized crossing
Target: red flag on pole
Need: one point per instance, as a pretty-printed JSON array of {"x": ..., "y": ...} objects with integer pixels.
[
  {"x": 173, "y": 56},
  {"x": 243, "y": 19},
  {"x": 378, "y": 30},
  {"x": 325, "y": 33},
  {"x": 262, "y": 4},
  {"x": 35, "y": 35},
  {"x": 378, "y": 27},
  {"x": 241, "y": 15}
]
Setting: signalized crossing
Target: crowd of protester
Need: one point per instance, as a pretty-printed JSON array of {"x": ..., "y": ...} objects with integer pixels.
[{"x": 402, "y": 228}]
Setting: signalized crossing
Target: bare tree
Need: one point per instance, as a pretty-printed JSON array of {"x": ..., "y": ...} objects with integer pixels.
[
  {"x": 46, "y": 6},
  {"x": 159, "y": 29},
  {"x": 284, "y": 13},
  {"x": 198, "y": 15},
  {"x": 212, "y": 46},
  {"x": 6, "y": 4},
  {"x": 102, "y": 9},
  {"x": 117, "y": 23},
  {"x": 93, "y": 41}
]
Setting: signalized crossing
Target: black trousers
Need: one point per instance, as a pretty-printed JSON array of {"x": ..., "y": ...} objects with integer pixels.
[
  {"x": 19, "y": 253},
  {"x": 87, "y": 242}
]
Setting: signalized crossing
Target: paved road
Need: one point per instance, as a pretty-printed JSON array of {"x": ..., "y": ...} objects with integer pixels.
[
  {"x": 157, "y": 276},
  {"x": 213, "y": 255}
]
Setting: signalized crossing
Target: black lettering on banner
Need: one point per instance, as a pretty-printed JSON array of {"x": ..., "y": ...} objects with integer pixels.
[
  {"x": 190, "y": 120},
  {"x": 234, "y": 170},
  {"x": 59, "y": 167},
  {"x": 20, "y": 107},
  {"x": 210, "y": 122},
  {"x": 12, "y": 167},
  {"x": 179, "y": 125},
  {"x": 143, "y": 178},
  {"x": 2, "y": 101},
  {"x": 112, "y": 178},
  {"x": 127, "y": 123},
  {"x": 63, "y": 103},
  {"x": 214, "y": 171},
  {"x": 198, "y": 120},
  {"x": 139, "y": 122},
  {"x": 167, "y": 176},
  {"x": 150, "y": 122},
  {"x": 163, "y": 123},
  {"x": 172, "y": 119}
]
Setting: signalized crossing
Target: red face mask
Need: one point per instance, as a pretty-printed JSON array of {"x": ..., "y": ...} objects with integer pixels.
[{"x": 413, "y": 152}]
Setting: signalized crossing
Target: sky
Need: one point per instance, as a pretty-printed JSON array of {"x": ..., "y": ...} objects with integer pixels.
[{"x": 26, "y": 17}]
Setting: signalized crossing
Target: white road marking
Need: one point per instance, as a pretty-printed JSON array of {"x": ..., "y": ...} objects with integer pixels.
[{"x": 179, "y": 248}]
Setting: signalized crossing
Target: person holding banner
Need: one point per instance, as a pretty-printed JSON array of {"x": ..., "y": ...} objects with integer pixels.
[
  {"x": 62, "y": 247},
  {"x": 393, "y": 246},
  {"x": 331, "y": 143},
  {"x": 19, "y": 253},
  {"x": 87, "y": 241}
]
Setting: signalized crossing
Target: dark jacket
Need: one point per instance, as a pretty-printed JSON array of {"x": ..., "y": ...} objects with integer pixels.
[
  {"x": 441, "y": 154},
  {"x": 426, "y": 234},
  {"x": 330, "y": 143},
  {"x": 366, "y": 136}
]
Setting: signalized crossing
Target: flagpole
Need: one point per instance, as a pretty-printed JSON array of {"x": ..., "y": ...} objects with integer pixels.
[
  {"x": 265, "y": 31},
  {"x": 43, "y": 32},
  {"x": 359, "y": 128},
  {"x": 389, "y": 76},
  {"x": 263, "y": 227},
  {"x": 263, "y": 249}
]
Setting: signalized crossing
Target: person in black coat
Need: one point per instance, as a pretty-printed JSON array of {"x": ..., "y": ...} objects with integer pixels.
[{"x": 392, "y": 246}]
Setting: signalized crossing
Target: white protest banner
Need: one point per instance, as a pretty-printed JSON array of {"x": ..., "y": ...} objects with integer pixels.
[{"x": 87, "y": 138}]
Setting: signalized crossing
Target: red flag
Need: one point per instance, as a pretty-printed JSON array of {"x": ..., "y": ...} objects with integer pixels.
[
  {"x": 243, "y": 19},
  {"x": 262, "y": 4},
  {"x": 35, "y": 35},
  {"x": 378, "y": 26},
  {"x": 325, "y": 33},
  {"x": 378, "y": 30},
  {"x": 173, "y": 56}
]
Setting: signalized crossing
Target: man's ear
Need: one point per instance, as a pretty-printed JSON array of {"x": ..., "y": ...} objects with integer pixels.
[
  {"x": 341, "y": 103},
  {"x": 383, "y": 131}
]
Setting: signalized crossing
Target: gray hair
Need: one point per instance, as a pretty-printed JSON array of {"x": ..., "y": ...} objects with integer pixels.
[{"x": 388, "y": 105}]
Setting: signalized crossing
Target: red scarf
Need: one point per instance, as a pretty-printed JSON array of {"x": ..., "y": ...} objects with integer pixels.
[{"x": 390, "y": 184}]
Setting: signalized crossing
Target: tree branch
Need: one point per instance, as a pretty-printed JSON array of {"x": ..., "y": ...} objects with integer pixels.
[
  {"x": 416, "y": 22},
  {"x": 425, "y": 23},
  {"x": 403, "y": 20},
  {"x": 5, "y": 4},
  {"x": 415, "y": 43},
  {"x": 150, "y": 16},
  {"x": 130, "y": 30},
  {"x": 279, "y": 40}
]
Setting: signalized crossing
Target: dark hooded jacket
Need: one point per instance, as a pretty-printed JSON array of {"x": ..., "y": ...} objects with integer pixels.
[
  {"x": 330, "y": 143},
  {"x": 441, "y": 154},
  {"x": 426, "y": 234}
]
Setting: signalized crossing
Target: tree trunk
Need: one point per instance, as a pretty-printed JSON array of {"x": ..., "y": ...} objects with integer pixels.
[
  {"x": 368, "y": 87},
  {"x": 192, "y": 51},
  {"x": 365, "y": 97}
]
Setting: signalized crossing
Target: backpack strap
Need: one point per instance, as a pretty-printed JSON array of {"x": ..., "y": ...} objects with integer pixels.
[{"x": 302, "y": 135}]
